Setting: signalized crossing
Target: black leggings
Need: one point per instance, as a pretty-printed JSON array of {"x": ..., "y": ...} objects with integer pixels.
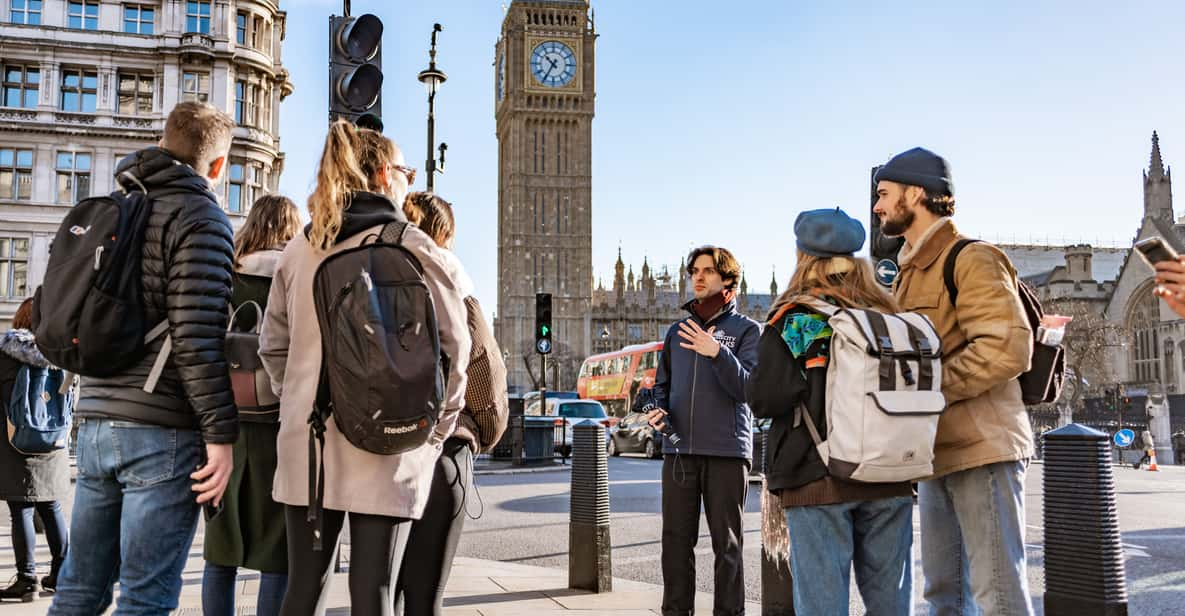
[
  {"x": 434, "y": 537},
  {"x": 24, "y": 539},
  {"x": 377, "y": 544}
]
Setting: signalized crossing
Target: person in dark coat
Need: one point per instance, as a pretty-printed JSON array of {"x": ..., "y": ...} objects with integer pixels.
[
  {"x": 33, "y": 482},
  {"x": 149, "y": 460},
  {"x": 249, "y": 531}
]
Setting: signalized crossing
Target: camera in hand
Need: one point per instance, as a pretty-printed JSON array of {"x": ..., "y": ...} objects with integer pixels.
[{"x": 648, "y": 404}]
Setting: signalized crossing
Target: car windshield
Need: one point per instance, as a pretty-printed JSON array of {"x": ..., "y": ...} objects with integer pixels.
[{"x": 582, "y": 410}]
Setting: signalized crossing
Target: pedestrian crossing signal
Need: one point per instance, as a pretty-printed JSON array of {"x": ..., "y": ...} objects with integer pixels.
[{"x": 543, "y": 323}]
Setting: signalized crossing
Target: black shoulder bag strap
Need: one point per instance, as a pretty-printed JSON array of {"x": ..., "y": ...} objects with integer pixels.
[
  {"x": 392, "y": 233},
  {"x": 948, "y": 269}
]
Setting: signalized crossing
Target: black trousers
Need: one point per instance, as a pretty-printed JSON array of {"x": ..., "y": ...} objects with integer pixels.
[
  {"x": 377, "y": 544},
  {"x": 721, "y": 484},
  {"x": 434, "y": 537}
]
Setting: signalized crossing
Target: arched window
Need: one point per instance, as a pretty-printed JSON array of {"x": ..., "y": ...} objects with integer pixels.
[{"x": 1143, "y": 317}]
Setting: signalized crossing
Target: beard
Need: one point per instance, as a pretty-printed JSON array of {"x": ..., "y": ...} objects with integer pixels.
[{"x": 901, "y": 219}]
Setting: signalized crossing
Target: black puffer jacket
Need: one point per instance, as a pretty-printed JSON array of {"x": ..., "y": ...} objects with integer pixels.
[{"x": 187, "y": 263}]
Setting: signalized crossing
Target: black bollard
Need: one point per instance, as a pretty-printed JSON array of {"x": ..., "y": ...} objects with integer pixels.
[
  {"x": 589, "y": 563},
  {"x": 777, "y": 582},
  {"x": 1084, "y": 572}
]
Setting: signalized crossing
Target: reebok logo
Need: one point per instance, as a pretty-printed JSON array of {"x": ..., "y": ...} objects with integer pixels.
[
  {"x": 400, "y": 429},
  {"x": 77, "y": 230}
]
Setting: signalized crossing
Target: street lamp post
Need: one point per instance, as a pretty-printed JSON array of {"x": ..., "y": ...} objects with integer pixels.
[{"x": 432, "y": 77}]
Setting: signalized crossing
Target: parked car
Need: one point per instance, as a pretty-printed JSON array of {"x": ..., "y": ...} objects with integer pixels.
[
  {"x": 633, "y": 434},
  {"x": 570, "y": 413}
]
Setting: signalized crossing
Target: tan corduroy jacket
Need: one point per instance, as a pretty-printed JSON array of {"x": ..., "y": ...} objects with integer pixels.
[
  {"x": 986, "y": 343},
  {"x": 290, "y": 346}
]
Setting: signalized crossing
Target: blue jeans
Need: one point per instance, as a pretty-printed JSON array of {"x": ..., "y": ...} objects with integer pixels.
[
  {"x": 134, "y": 518},
  {"x": 218, "y": 591},
  {"x": 973, "y": 541},
  {"x": 826, "y": 540}
]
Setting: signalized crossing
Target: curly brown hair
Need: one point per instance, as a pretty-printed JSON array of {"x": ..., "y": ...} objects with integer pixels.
[{"x": 726, "y": 264}]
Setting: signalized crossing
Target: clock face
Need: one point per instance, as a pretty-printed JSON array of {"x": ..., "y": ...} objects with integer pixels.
[
  {"x": 501, "y": 76},
  {"x": 553, "y": 64}
]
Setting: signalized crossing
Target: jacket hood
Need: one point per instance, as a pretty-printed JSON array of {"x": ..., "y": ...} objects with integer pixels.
[
  {"x": 260, "y": 263},
  {"x": 156, "y": 168},
  {"x": 366, "y": 209},
  {"x": 18, "y": 344}
]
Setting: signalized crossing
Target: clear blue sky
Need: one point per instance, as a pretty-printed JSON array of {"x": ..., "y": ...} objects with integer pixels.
[{"x": 719, "y": 122}]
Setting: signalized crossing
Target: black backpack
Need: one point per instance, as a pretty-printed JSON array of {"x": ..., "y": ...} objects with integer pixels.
[
  {"x": 1047, "y": 370},
  {"x": 88, "y": 314},
  {"x": 382, "y": 373}
]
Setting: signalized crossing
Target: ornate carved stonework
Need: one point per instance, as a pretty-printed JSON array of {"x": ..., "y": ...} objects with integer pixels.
[{"x": 74, "y": 118}]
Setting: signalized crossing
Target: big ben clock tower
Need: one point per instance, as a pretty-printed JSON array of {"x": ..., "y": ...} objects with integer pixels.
[{"x": 544, "y": 100}]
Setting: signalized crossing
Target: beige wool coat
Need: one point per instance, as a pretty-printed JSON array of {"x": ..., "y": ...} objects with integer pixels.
[{"x": 290, "y": 346}]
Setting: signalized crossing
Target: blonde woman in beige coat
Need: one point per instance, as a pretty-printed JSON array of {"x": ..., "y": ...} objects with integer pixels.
[{"x": 360, "y": 180}]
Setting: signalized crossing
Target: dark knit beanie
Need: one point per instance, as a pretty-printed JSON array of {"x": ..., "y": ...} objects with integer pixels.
[
  {"x": 918, "y": 167},
  {"x": 828, "y": 233}
]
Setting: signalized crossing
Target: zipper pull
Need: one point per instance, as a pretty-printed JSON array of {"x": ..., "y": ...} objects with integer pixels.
[
  {"x": 366, "y": 279},
  {"x": 98, "y": 257}
]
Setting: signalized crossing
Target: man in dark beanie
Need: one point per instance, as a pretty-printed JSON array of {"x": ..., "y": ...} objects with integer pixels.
[{"x": 972, "y": 509}]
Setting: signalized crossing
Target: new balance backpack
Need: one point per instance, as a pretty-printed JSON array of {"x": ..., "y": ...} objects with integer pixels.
[
  {"x": 1042, "y": 383},
  {"x": 884, "y": 395},
  {"x": 88, "y": 315},
  {"x": 382, "y": 374},
  {"x": 40, "y": 409},
  {"x": 249, "y": 382}
]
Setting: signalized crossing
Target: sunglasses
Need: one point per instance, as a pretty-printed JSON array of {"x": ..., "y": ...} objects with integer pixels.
[{"x": 408, "y": 172}]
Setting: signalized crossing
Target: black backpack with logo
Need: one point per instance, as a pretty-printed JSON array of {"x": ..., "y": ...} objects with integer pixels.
[
  {"x": 1047, "y": 369},
  {"x": 88, "y": 314},
  {"x": 382, "y": 373}
]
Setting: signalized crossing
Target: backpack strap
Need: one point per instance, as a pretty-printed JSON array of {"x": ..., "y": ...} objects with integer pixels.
[
  {"x": 158, "y": 366},
  {"x": 800, "y": 414},
  {"x": 948, "y": 268},
  {"x": 392, "y": 232}
]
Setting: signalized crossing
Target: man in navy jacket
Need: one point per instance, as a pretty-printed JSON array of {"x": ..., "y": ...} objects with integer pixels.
[{"x": 700, "y": 391}]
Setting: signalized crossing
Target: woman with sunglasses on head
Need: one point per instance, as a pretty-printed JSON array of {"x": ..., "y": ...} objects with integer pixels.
[
  {"x": 434, "y": 537},
  {"x": 360, "y": 179},
  {"x": 248, "y": 530}
]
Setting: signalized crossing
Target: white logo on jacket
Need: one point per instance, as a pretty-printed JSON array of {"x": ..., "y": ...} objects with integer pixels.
[{"x": 725, "y": 339}]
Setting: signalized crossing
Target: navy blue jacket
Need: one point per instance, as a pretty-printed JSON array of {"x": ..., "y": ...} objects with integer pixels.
[{"x": 705, "y": 398}]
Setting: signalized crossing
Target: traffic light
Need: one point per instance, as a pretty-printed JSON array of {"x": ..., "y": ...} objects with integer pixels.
[
  {"x": 543, "y": 323},
  {"x": 355, "y": 67},
  {"x": 883, "y": 249}
]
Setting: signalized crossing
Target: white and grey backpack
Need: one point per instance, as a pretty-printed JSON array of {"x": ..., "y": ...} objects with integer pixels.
[{"x": 884, "y": 395}]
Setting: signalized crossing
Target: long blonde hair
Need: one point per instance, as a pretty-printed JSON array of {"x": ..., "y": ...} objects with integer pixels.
[
  {"x": 273, "y": 221},
  {"x": 848, "y": 281},
  {"x": 350, "y": 159}
]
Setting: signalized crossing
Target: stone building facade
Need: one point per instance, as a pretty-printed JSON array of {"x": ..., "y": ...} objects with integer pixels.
[{"x": 85, "y": 83}]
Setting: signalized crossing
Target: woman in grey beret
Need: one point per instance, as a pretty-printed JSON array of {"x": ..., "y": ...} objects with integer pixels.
[{"x": 833, "y": 524}]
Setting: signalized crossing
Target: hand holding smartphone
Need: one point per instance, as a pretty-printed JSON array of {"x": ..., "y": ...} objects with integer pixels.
[{"x": 1154, "y": 250}]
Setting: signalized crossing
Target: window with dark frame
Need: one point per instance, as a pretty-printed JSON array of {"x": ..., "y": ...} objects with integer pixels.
[
  {"x": 135, "y": 93},
  {"x": 240, "y": 101},
  {"x": 139, "y": 19},
  {"x": 241, "y": 28},
  {"x": 256, "y": 32},
  {"x": 16, "y": 174},
  {"x": 27, "y": 12},
  {"x": 21, "y": 85},
  {"x": 82, "y": 14},
  {"x": 80, "y": 89},
  {"x": 14, "y": 267},
  {"x": 74, "y": 176},
  {"x": 234, "y": 189}
]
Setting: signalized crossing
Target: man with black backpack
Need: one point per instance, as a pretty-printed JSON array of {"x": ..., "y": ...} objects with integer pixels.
[
  {"x": 156, "y": 433},
  {"x": 972, "y": 508}
]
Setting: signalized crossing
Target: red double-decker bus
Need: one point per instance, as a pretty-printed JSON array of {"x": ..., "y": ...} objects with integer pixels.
[{"x": 613, "y": 378}]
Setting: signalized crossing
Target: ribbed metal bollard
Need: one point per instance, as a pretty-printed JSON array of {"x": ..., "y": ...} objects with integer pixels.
[
  {"x": 1084, "y": 572},
  {"x": 589, "y": 563},
  {"x": 777, "y": 582}
]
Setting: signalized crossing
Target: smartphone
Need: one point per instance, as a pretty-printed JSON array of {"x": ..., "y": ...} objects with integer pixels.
[{"x": 1155, "y": 250}]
